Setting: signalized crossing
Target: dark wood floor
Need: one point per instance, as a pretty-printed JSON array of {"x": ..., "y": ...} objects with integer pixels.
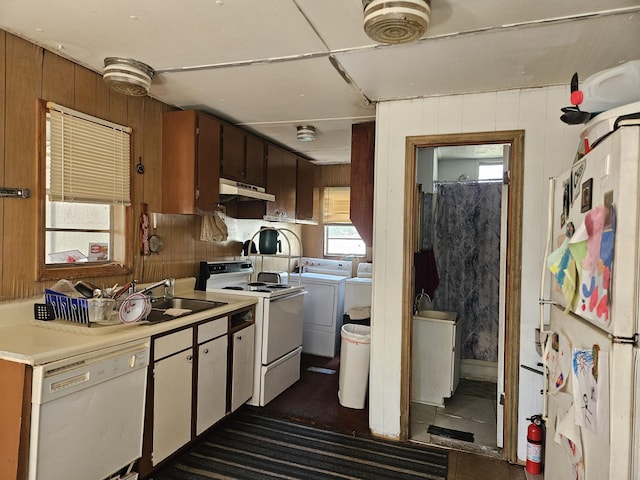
[{"x": 314, "y": 399}]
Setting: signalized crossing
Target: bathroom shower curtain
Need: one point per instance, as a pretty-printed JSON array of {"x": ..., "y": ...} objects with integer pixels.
[{"x": 466, "y": 244}]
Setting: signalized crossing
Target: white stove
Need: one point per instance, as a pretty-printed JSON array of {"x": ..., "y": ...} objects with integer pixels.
[
  {"x": 278, "y": 321},
  {"x": 259, "y": 289},
  {"x": 234, "y": 278}
]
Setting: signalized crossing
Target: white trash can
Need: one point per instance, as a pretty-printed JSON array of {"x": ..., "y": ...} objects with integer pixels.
[{"x": 354, "y": 365}]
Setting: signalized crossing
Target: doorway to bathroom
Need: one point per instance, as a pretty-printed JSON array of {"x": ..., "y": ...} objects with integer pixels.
[
  {"x": 457, "y": 269},
  {"x": 462, "y": 260}
]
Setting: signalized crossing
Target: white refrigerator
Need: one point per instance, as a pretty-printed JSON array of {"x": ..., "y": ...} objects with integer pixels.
[{"x": 590, "y": 353}]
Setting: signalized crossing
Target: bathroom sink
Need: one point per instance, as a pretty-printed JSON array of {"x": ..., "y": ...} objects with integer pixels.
[
  {"x": 437, "y": 315},
  {"x": 183, "y": 306}
]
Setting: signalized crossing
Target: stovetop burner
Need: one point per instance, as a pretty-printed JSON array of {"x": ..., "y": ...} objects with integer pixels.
[{"x": 263, "y": 287}]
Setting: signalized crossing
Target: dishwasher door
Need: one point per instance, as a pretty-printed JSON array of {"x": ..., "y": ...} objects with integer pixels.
[{"x": 87, "y": 414}]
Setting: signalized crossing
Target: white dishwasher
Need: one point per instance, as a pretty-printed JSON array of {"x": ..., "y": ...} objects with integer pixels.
[{"x": 87, "y": 414}]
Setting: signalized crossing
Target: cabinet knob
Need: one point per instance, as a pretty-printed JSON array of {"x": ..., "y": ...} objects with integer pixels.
[
  {"x": 239, "y": 337},
  {"x": 206, "y": 350},
  {"x": 189, "y": 357}
]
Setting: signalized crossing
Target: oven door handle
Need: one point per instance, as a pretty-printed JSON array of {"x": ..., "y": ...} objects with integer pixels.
[{"x": 287, "y": 297}]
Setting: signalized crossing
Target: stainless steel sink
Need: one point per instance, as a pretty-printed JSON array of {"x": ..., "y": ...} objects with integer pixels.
[{"x": 189, "y": 305}]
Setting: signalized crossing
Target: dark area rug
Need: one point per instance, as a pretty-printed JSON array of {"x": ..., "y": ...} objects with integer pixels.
[
  {"x": 250, "y": 445},
  {"x": 450, "y": 433}
]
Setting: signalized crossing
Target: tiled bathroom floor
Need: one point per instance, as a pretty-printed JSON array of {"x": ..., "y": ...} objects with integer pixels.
[{"x": 472, "y": 409}]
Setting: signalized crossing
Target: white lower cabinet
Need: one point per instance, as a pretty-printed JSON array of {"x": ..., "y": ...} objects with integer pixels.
[
  {"x": 242, "y": 374},
  {"x": 172, "y": 393},
  {"x": 191, "y": 386},
  {"x": 212, "y": 383},
  {"x": 435, "y": 364}
]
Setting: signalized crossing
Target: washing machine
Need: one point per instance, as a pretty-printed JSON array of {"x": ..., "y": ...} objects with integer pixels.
[
  {"x": 358, "y": 292},
  {"x": 324, "y": 280}
]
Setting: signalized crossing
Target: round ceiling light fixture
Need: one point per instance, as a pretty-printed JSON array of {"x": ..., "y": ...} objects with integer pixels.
[
  {"x": 401, "y": 21},
  {"x": 127, "y": 76},
  {"x": 306, "y": 133}
]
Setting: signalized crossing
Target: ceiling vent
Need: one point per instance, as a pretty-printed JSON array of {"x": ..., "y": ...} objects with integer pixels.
[
  {"x": 127, "y": 76},
  {"x": 306, "y": 133},
  {"x": 400, "y": 21}
]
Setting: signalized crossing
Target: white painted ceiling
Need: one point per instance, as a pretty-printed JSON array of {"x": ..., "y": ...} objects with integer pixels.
[{"x": 270, "y": 65}]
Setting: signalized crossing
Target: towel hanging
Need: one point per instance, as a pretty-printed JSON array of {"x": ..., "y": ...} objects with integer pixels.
[{"x": 214, "y": 229}]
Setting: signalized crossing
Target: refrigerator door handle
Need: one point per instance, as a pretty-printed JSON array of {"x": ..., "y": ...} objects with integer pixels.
[{"x": 633, "y": 340}]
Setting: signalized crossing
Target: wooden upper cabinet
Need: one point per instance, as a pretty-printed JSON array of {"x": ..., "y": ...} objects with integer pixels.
[
  {"x": 243, "y": 156},
  {"x": 255, "y": 160},
  {"x": 362, "y": 168},
  {"x": 190, "y": 162},
  {"x": 305, "y": 183},
  {"x": 281, "y": 182},
  {"x": 232, "y": 160}
]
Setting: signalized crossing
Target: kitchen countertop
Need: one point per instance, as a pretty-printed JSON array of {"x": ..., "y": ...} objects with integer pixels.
[{"x": 36, "y": 342}]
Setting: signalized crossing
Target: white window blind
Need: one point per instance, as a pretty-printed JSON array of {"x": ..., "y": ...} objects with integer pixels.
[
  {"x": 337, "y": 204},
  {"x": 90, "y": 158}
]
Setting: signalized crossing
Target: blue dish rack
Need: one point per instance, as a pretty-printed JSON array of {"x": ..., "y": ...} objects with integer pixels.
[{"x": 78, "y": 310}]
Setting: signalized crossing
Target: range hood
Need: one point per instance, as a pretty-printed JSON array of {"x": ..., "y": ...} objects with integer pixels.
[{"x": 244, "y": 190}]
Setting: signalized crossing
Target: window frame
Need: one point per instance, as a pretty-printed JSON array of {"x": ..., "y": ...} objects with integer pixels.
[
  {"x": 122, "y": 226},
  {"x": 325, "y": 241}
]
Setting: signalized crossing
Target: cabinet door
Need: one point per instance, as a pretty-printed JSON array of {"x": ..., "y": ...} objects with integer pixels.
[
  {"x": 275, "y": 157},
  {"x": 305, "y": 183},
  {"x": 362, "y": 159},
  {"x": 208, "y": 164},
  {"x": 281, "y": 182},
  {"x": 172, "y": 387},
  {"x": 190, "y": 162},
  {"x": 14, "y": 417},
  {"x": 243, "y": 360},
  {"x": 179, "y": 130},
  {"x": 433, "y": 349},
  {"x": 212, "y": 383},
  {"x": 233, "y": 153},
  {"x": 255, "y": 160},
  {"x": 288, "y": 195}
]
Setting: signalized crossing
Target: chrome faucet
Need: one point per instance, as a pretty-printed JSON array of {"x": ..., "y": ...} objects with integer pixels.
[
  {"x": 421, "y": 296},
  {"x": 168, "y": 284}
]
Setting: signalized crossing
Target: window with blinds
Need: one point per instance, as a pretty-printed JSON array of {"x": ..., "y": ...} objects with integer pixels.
[
  {"x": 89, "y": 158},
  {"x": 87, "y": 163},
  {"x": 336, "y": 205},
  {"x": 340, "y": 236}
]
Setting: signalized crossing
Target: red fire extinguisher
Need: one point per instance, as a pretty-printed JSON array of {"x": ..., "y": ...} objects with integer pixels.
[{"x": 534, "y": 445}]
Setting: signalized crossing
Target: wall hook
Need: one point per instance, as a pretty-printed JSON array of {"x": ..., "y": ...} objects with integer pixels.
[{"x": 140, "y": 166}]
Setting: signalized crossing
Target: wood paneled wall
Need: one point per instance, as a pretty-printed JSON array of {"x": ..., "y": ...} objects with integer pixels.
[{"x": 28, "y": 73}]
